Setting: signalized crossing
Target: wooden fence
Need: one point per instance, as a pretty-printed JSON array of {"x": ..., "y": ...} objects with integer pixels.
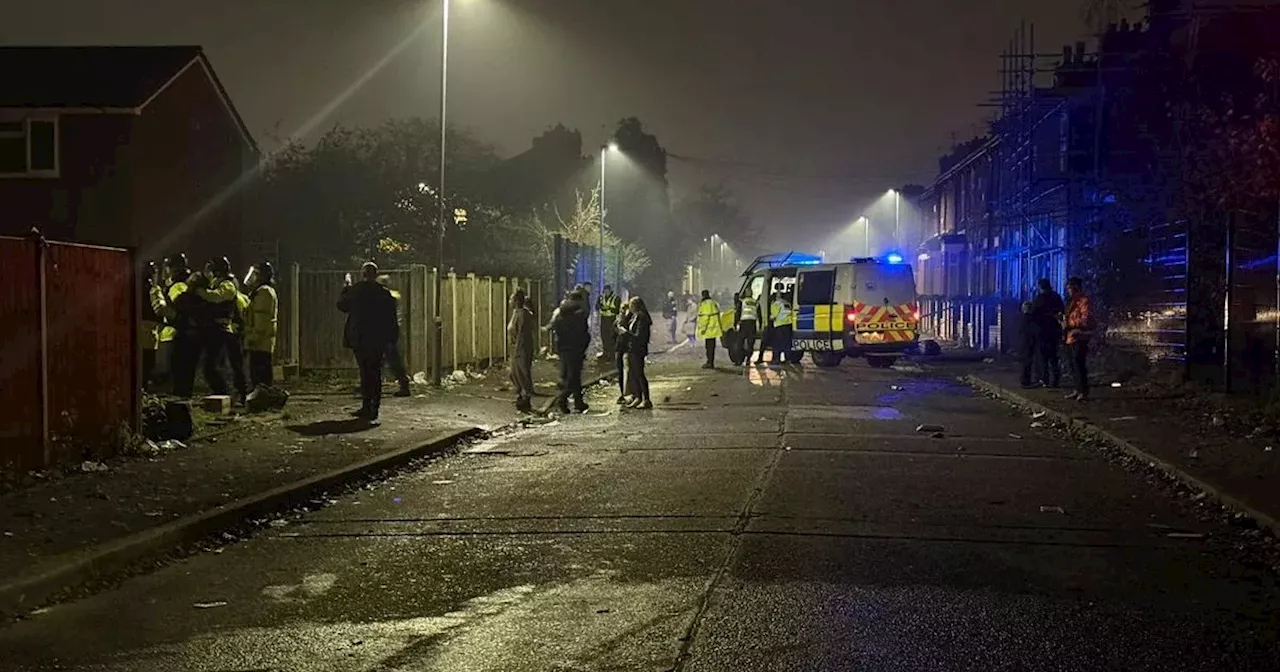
[
  {"x": 473, "y": 312},
  {"x": 69, "y": 368}
]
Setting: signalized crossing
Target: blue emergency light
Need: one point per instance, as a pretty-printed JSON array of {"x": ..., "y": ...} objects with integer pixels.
[{"x": 893, "y": 258}]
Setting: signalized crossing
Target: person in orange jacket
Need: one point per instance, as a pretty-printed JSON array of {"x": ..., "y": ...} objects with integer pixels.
[{"x": 1078, "y": 327}]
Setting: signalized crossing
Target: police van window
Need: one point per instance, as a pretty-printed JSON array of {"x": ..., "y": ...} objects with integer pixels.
[
  {"x": 895, "y": 283},
  {"x": 816, "y": 287},
  {"x": 757, "y": 286}
]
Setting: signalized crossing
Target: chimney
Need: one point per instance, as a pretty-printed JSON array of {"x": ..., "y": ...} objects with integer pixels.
[
  {"x": 1079, "y": 52},
  {"x": 1066, "y": 55}
]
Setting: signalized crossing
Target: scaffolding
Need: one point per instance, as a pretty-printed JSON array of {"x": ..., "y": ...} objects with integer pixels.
[{"x": 1033, "y": 202}]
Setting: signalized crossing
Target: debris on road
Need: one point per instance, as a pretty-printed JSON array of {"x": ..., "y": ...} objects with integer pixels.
[
  {"x": 1037, "y": 425},
  {"x": 1194, "y": 454},
  {"x": 1124, "y": 418},
  {"x": 1185, "y": 535},
  {"x": 443, "y": 482},
  {"x": 929, "y": 429},
  {"x": 937, "y": 435},
  {"x": 895, "y": 388},
  {"x": 1115, "y": 384},
  {"x": 89, "y": 467},
  {"x": 1219, "y": 421},
  {"x": 1039, "y": 414},
  {"x": 420, "y": 378},
  {"x": 1053, "y": 509},
  {"x": 1015, "y": 436},
  {"x": 209, "y": 605},
  {"x": 278, "y": 523}
]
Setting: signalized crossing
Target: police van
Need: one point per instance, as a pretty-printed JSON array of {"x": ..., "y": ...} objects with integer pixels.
[{"x": 866, "y": 307}]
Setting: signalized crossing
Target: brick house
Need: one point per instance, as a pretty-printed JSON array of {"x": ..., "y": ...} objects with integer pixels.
[{"x": 123, "y": 146}]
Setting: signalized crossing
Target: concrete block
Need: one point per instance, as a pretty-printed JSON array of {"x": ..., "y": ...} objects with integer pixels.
[{"x": 219, "y": 404}]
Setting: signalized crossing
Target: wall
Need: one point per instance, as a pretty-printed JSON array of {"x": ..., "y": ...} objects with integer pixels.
[
  {"x": 90, "y": 200},
  {"x": 187, "y": 155}
]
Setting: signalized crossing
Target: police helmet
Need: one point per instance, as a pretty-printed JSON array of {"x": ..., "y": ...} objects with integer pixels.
[
  {"x": 220, "y": 266},
  {"x": 266, "y": 273},
  {"x": 178, "y": 264}
]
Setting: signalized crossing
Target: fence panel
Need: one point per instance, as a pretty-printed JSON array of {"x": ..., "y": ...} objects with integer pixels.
[
  {"x": 449, "y": 308},
  {"x": 21, "y": 426},
  {"x": 321, "y": 324},
  {"x": 69, "y": 369},
  {"x": 287, "y": 316},
  {"x": 466, "y": 320},
  {"x": 92, "y": 341}
]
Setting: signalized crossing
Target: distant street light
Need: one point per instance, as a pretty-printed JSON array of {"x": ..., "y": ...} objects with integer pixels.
[{"x": 897, "y": 220}]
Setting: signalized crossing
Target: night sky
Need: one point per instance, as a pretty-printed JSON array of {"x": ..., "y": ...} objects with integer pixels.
[{"x": 785, "y": 96}]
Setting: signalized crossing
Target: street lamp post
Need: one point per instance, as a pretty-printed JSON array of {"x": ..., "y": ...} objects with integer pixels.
[
  {"x": 604, "y": 157},
  {"x": 436, "y": 360},
  {"x": 897, "y": 203}
]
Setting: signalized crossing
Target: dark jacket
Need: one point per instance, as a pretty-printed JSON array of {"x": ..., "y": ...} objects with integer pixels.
[
  {"x": 641, "y": 328},
  {"x": 573, "y": 335},
  {"x": 371, "y": 317},
  {"x": 1030, "y": 335},
  {"x": 1047, "y": 307},
  {"x": 521, "y": 331},
  {"x": 622, "y": 330},
  {"x": 670, "y": 308}
]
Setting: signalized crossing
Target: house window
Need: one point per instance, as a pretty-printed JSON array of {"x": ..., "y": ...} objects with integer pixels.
[{"x": 29, "y": 148}]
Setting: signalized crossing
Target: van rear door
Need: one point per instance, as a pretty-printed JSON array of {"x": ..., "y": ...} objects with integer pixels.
[
  {"x": 819, "y": 325},
  {"x": 885, "y": 308}
]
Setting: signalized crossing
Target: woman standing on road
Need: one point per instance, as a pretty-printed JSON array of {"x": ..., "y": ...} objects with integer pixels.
[
  {"x": 622, "y": 336},
  {"x": 637, "y": 349}
]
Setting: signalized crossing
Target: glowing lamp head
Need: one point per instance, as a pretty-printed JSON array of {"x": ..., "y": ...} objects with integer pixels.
[{"x": 894, "y": 258}]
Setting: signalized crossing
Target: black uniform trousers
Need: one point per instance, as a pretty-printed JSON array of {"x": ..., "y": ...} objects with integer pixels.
[
  {"x": 184, "y": 353},
  {"x": 608, "y": 337},
  {"x": 748, "y": 330},
  {"x": 260, "y": 369}
]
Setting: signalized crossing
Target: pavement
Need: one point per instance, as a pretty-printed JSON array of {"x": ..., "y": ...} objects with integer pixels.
[
  {"x": 766, "y": 519},
  {"x": 1231, "y": 455},
  {"x": 82, "y": 528}
]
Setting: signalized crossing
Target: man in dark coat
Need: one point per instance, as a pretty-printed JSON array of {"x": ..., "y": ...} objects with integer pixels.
[
  {"x": 573, "y": 337},
  {"x": 371, "y": 328},
  {"x": 1047, "y": 308}
]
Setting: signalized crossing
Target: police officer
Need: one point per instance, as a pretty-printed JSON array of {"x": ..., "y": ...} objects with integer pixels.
[
  {"x": 261, "y": 323},
  {"x": 748, "y": 320},
  {"x": 149, "y": 326},
  {"x": 671, "y": 312},
  {"x": 707, "y": 328},
  {"x": 767, "y": 341},
  {"x": 781, "y": 317},
  {"x": 395, "y": 361},
  {"x": 183, "y": 313},
  {"x": 219, "y": 334},
  {"x": 608, "y": 305}
]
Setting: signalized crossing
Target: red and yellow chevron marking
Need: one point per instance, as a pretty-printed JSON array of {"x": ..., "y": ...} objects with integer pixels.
[{"x": 885, "y": 324}]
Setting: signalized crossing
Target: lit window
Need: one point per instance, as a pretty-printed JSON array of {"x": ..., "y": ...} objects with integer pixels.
[{"x": 29, "y": 148}]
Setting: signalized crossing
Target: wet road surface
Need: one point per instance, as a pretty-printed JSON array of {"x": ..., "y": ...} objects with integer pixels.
[{"x": 767, "y": 520}]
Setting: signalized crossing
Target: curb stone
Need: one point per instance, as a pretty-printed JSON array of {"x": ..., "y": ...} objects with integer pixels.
[
  {"x": 1076, "y": 425},
  {"x": 79, "y": 567}
]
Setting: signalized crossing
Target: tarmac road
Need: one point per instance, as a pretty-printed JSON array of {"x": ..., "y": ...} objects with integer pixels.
[{"x": 768, "y": 520}]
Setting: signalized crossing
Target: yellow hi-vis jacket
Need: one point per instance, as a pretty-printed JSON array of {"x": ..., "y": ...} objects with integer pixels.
[
  {"x": 223, "y": 292},
  {"x": 165, "y": 308},
  {"x": 708, "y": 320},
  {"x": 780, "y": 313},
  {"x": 261, "y": 320},
  {"x": 750, "y": 310}
]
